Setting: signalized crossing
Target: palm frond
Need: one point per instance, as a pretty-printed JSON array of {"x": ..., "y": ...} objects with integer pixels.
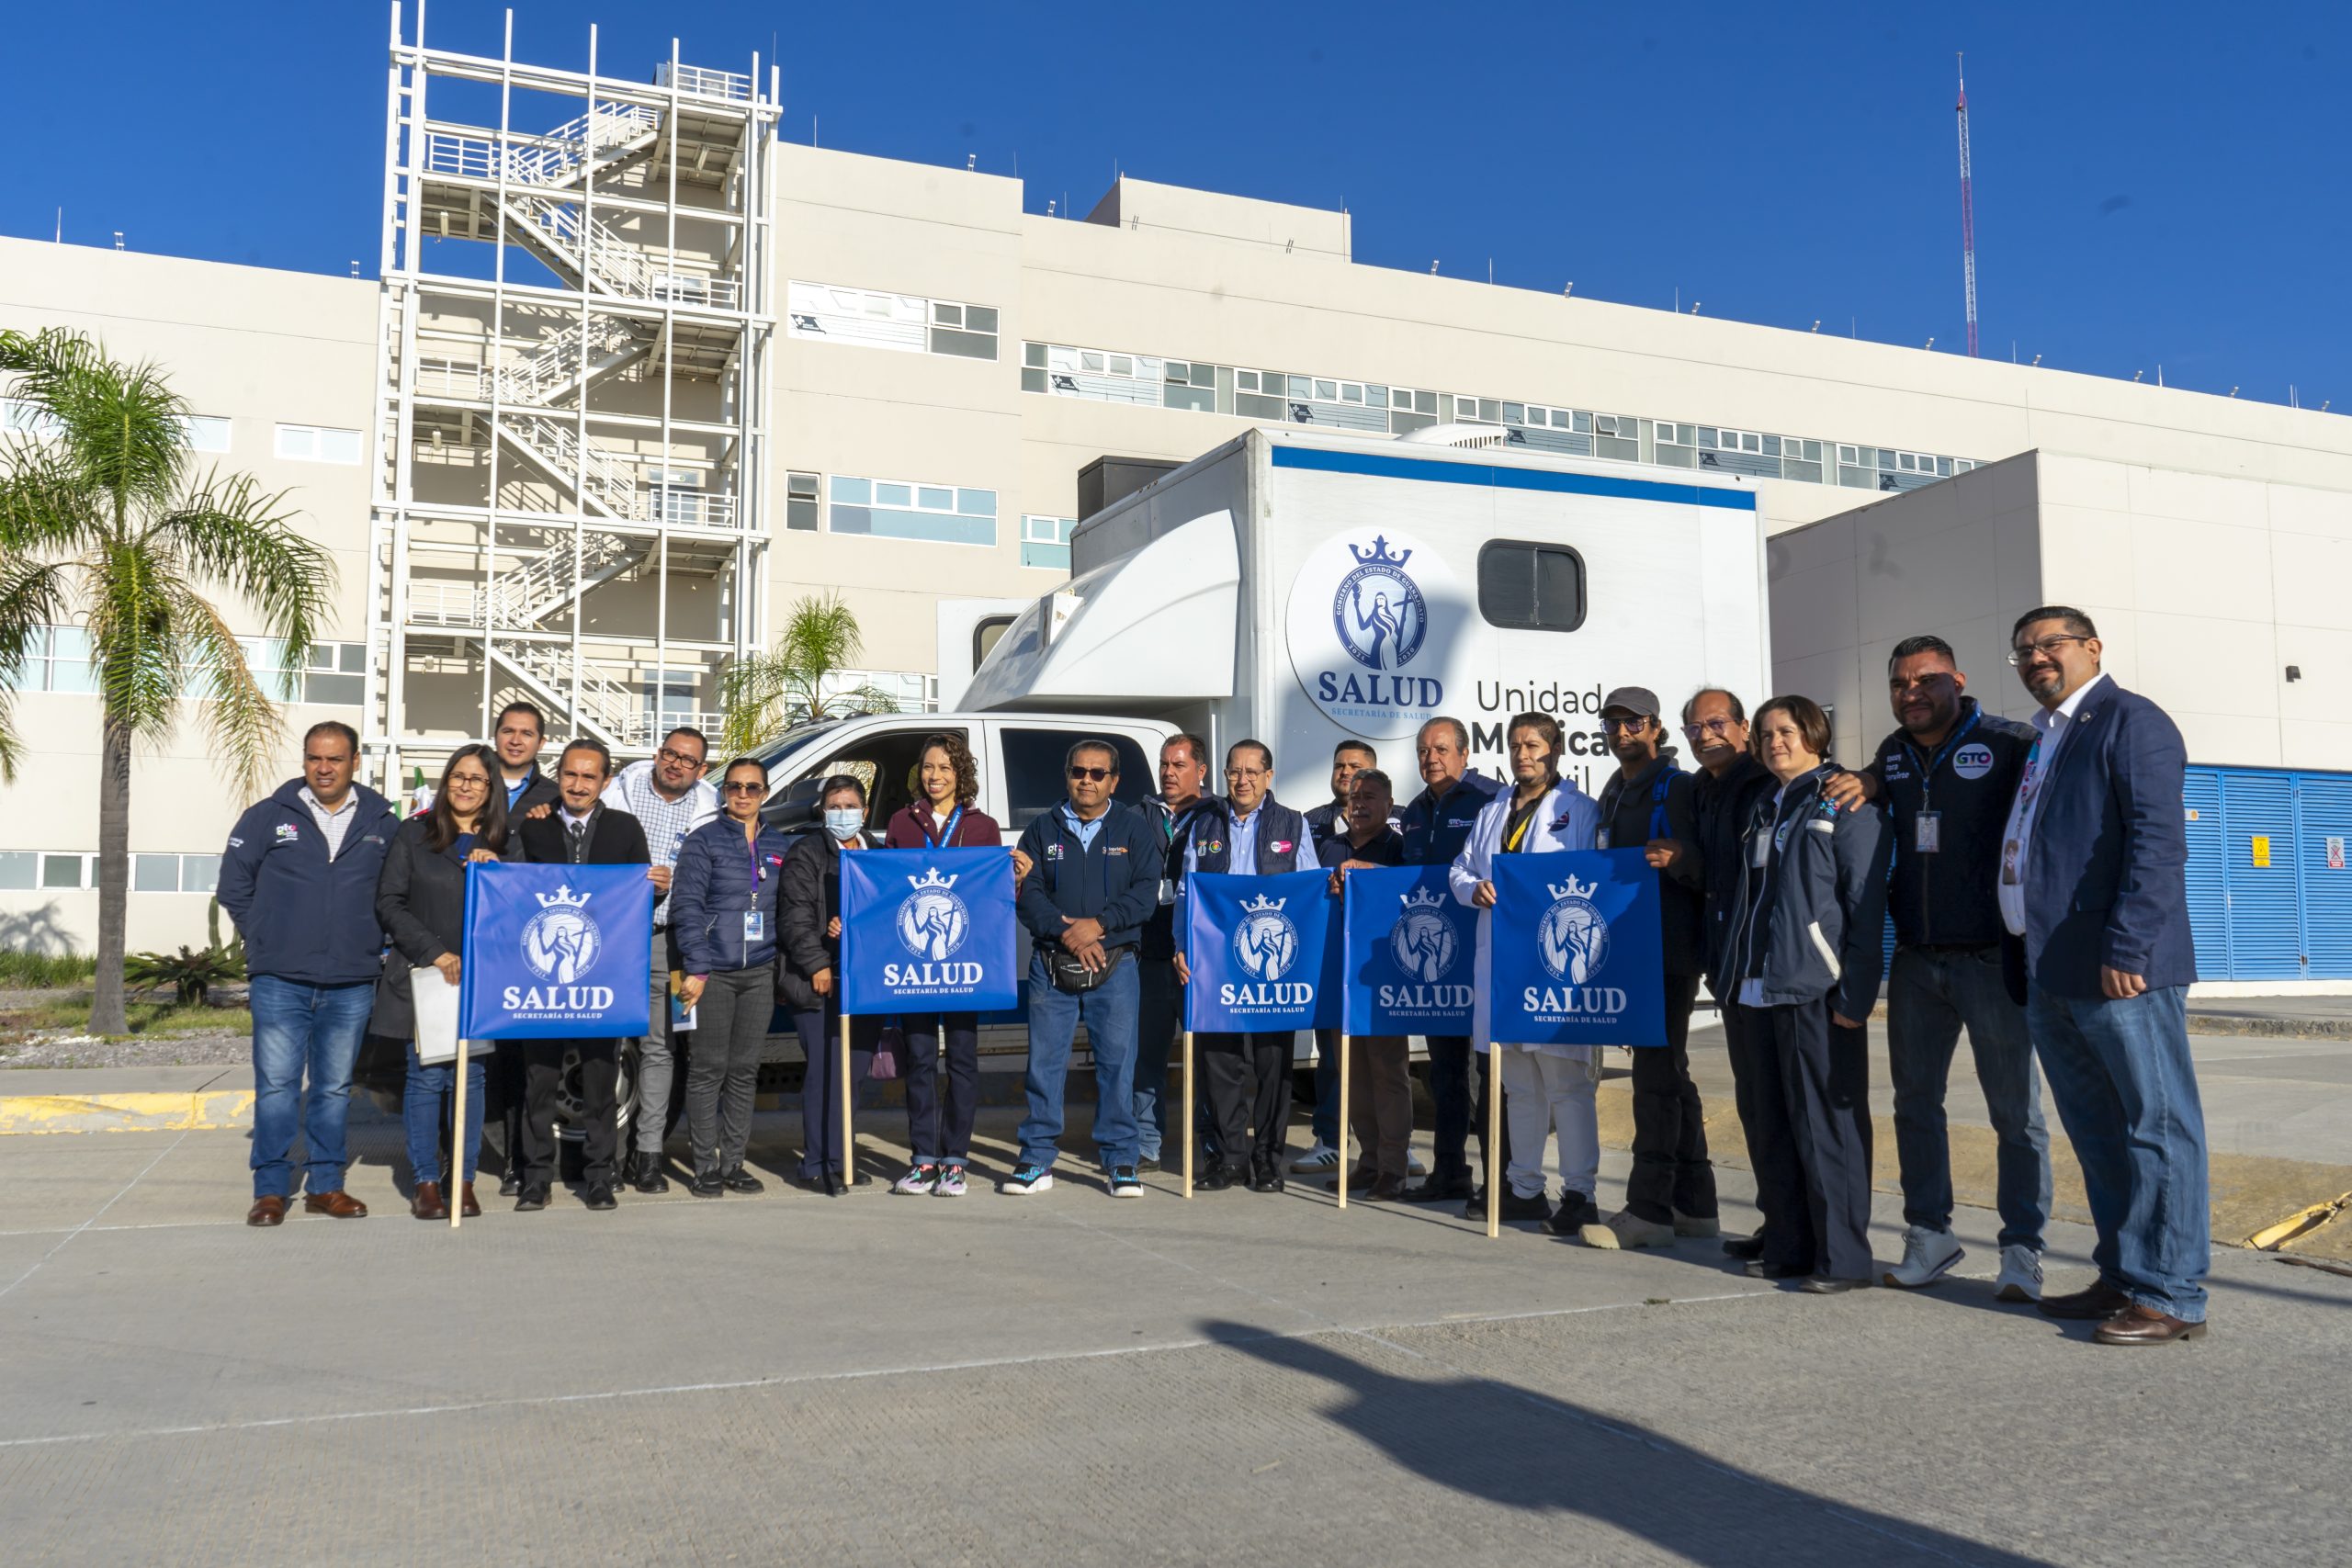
[
  {"x": 121, "y": 426},
  {"x": 33, "y": 594},
  {"x": 228, "y": 531},
  {"x": 133, "y": 643},
  {"x": 243, "y": 722}
]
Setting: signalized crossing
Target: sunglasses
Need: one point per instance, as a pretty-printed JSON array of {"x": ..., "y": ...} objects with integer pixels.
[
  {"x": 1093, "y": 775},
  {"x": 743, "y": 787}
]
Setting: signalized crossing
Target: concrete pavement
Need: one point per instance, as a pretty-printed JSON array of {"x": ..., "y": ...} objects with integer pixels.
[{"x": 1066, "y": 1379}]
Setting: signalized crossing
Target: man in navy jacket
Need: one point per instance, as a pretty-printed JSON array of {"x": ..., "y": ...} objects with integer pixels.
[
  {"x": 2093, "y": 877},
  {"x": 298, "y": 879}
]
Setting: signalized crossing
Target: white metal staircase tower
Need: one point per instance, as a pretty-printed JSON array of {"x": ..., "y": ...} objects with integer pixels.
[{"x": 569, "y": 444}]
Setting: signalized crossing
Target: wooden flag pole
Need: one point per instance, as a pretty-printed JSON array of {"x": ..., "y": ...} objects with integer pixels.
[
  {"x": 1186, "y": 1130},
  {"x": 458, "y": 1144},
  {"x": 849, "y": 1130},
  {"x": 1344, "y": 1118},
  {"x": 1494, "y": 1139}
]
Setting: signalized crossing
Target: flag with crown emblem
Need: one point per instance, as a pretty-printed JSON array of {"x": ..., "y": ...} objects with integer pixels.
[
  {"x": 1411, "y": 954},
  {"x": 556, "y": 952},
  {"x": 927, "y": 931},
  {"x": 1577, "y": 957},
  {"x": 1264, "y": 953}
]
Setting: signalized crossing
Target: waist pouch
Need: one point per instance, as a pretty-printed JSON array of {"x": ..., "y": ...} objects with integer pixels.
[{"x": 1069, "y": 973}]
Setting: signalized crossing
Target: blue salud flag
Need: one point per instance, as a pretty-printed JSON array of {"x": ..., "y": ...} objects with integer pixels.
[
  {"x": 1263, "y": 953},
  {"x": 556, "y": 952},
  {"x": 927, "y": 931},
  {"x": 1577, "y": 957},
  {"x": 1411, "y": 953}
]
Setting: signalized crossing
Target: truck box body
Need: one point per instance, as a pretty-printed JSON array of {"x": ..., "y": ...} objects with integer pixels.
[{"x": 1306, "y": 588}]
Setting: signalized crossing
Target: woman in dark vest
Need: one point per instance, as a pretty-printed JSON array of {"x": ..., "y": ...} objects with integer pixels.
[
  {"x": 944, "y": 815},
  {"x": 808, "y": 978}
]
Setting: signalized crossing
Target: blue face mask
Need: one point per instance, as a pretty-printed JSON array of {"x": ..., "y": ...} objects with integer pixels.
[{"x": 844, "y": 821}]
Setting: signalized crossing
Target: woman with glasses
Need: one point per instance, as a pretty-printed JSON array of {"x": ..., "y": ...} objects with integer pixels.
[
  {"x": 1804, "y": 955},
  {"x": 723, "y": 914},
  {"x": 943, "y": 816},
  {"x": 808, "y": 977},
  {"x": 421, "y": 903}
]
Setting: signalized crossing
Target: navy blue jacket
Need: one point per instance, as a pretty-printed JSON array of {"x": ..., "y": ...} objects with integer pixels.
[
  {"x": 1116, "y": 881},
  {"x": 1946, "y": 898},
  {"x": 1389, "y": 849},
  {"x": 1436, "y": 829},
  {"x": 1159, "y": 931},
  {"x": 1811, "y": 921},
  {"x": 304, "y": 918},
  {"x": 711, "y": 887},
  {"x": 2106, "y": 873}
]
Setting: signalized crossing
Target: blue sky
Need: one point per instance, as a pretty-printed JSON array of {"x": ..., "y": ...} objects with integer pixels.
[{"x": 2155, "y": 183}]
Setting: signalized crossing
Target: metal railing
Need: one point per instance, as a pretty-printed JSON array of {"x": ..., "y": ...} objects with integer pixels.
[
  {"x": 704, "y": 83},
  {"x": 551, "y": 159},
  {"x": 554, "y": 366}
]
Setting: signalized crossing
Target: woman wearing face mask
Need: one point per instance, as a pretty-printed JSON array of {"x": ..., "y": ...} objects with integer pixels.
[
  {"x": 723, "y": 897},
  {"x": 808, "y": 978},
  {"x": 945, "y": 817},
  {"x": 421, "y": 902},
  {"x": 1803, "y": 950}
]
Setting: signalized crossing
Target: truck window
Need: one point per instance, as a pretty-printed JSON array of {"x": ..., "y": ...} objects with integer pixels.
[
  {"x": 1034, "y": 760},
  {"x": 886, "y": 763},
  {"x": 986, "y": 634},
  {"x": 1525, "y": 586}
]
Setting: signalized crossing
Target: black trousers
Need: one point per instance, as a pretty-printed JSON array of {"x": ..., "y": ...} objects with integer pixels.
[
  {"x": 1247, "y": 1077},
  {"x": 1670, "y": 1171},
  {"x": 941, "y": 1130},
  {"x": 1450, "y": 1057},
  {"x": 1812, "y": 1139},
  {"x": 600, "y": 1062},
  {"x": 506, "y": 1075}
]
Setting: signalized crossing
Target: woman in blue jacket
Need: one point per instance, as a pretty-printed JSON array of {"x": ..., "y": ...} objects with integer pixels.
[
  {"x": 723, "y": 913},
  {"x": 1804, "y": 951}
]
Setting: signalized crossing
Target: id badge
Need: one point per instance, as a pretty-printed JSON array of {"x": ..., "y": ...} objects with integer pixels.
[
  {"x": 1600, "y": 840},
  {"x": 755, "y": 925},
  {"x": 1927, "y": 836},
  {"x": 1759, "y": 849},
  {"x": 1167, "y": 890},
  {"x": 2009, "y": 863}
]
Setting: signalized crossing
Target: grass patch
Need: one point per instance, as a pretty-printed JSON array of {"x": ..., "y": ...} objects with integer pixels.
[
  {"x": 149, "y": 1020},
  {"x": 42, "y": 971}
]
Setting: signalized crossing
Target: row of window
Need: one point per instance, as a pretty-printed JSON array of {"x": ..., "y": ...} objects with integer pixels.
[
  {"x": 908, "y": 323},
  {"x": 204, "y": 432},
  {"x": 43, "y": 869},
  {"x": 335, "y": 672}
]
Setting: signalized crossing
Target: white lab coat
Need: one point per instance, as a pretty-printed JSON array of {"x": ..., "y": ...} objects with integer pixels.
[{"x": 1474, "y": 864}]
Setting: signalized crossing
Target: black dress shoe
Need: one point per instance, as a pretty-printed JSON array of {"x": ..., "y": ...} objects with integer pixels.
[
  {"x": 648, "y": 1179},
  {"x": 529, "y": 1200},
  {"x": 1760, "y": 1269},
  {"x": 1568, "y": 1220},
  {"x": 1266, "y": 1179},
  {"x": 1217, "y": 1178},
  {"x": 600, "y": 1196},
  {"x": 707, "y": 1184},
  {"x": 1744, "y": 1247},
  {"x": 1830, "y": 1285},
  {"x": 741, "y": 1181},
  {"x": 510, "y": 1186},
  {"x": 1439, "y": 1190}
]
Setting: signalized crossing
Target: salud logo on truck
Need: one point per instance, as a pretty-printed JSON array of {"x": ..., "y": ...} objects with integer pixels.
[{"x": 1363, "y": 610}]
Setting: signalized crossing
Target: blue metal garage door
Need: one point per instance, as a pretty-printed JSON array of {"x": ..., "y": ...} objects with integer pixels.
[{"x": 2269, "y": 892}]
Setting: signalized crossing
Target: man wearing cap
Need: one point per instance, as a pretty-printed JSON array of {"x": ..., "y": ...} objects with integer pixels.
[{"x": 1651, "y": 805}]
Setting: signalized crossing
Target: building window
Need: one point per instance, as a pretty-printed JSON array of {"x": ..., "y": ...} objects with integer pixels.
[
  {"x": 68, "y": 871},
  {"x": 19, "y": 871},
  {"x": 800, "y": 503},
  {"x": 57, "y": 661},
  {"x": 335, "y": 673},
  {"x": 21, "y": 416},
  {"x": 673, "y": 699},
  {"x": 317, "y": 444},
  {"x": 207, "y": 433},
  {"x": 902, "y": 509},
  {"x": 26, "y": 870},
  {"x": 908, "y": 323},
  {"x": 966, "y": 332},
  {"x": 1045, "y": 541},
  {"x": 1529, "y": 587}
]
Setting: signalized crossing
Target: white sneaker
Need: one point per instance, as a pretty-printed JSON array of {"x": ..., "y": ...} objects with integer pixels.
[
  {"x": 1927, "y": 1256},
  {"x": 1320, "y": 1161},
  {"x": 2021, "y": 1275},
  {"x": 1027, "y": 1180},
  {"x": 1414, "y": 1165}
]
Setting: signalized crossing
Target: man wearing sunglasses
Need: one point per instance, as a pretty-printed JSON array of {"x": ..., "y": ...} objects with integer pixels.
[
  {"x": 1093, "y": 881},
  {"x": 667, "y": 796}
]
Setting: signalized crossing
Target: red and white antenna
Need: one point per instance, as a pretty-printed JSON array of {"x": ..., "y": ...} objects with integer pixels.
[{"x": 1967, "y": 214}]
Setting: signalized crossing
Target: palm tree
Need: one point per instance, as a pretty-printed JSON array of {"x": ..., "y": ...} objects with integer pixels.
[
  {"x": 104, "y": 518},
  {"x": 795, "y": 682}
]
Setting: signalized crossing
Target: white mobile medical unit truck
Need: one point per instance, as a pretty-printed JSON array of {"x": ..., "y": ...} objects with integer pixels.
[{"x": 1304, "y": 588}]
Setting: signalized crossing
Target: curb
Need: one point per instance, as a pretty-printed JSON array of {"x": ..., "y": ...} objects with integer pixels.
[{"x": 151, "y": 1112}]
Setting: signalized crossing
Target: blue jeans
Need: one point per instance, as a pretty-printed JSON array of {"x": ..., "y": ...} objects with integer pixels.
[
  {"x": 425, "y": 1112},
  {"x": 1160, "y": 1016},
  {"x": 1326, "y": 1120},
  {"x": 2126, "y": 1091},
  {"x": 1929, "y": 995},
  {"x": 301, "y": 1028},
  {"x": 1109, "y": 1012}
]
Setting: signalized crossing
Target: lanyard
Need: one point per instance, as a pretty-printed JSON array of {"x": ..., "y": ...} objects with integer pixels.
[
  {"x": 1511, "y": 843},
  {"x": 752, "y": 849},
  {"x": 947, "y": 836},
  {"x": 1928, "y": 769}
]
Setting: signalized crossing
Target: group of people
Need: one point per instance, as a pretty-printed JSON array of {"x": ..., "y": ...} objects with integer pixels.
[{"x": 2033, "y": 874}]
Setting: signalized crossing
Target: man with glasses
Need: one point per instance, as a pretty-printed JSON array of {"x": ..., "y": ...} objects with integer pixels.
[
  {"x": 1648, "y": 805},
  {"x": 1183, "y": 774},
  {"x": 1730, "y": 783},
  {"x": 1947, "y": 777},
  {"x": 1250, "y": 831},
  {"x": 2093, "y": 875},
  {"x": 670, "y": 798},
  {"x": 1093, "y": 881}
]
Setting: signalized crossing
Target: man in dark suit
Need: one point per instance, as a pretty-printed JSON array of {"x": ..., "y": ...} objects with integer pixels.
[
  {"x": 581, "y": 831},
  {"x": 2093, "y": 877}
]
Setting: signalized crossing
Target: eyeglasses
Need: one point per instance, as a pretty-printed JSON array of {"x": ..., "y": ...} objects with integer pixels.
[
  {"x": 671, "y": 754},
  {"x": 2048, "y": 647},
  {"x": 1093, "y": 775},
  {"x": 1637, "y": 722},
  {"x": 743, "y": 787},
  {"x": 1709, "y": 726}
]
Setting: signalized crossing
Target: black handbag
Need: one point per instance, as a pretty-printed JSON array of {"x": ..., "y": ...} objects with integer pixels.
[{"x": 1070, "y": 974}]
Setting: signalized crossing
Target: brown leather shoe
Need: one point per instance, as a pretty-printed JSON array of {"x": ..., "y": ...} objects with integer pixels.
[
  {"x": 2138, "y": 1325},
  {"x": 341, "y": 1205},
  {"x": 270, "y": 1211},
  {"x": 426, "y": 1202},
  {"x": 467, "y": 1207},
  {"x": 1386, "y": 1190},
  {"x": 2100, "y": 1300}
]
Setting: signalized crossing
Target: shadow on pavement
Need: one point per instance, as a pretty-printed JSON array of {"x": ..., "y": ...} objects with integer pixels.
[{"x": 1518, "y": 1448}]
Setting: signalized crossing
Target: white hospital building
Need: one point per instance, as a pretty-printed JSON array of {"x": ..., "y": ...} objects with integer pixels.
[{"x": 637, "y": 375}]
